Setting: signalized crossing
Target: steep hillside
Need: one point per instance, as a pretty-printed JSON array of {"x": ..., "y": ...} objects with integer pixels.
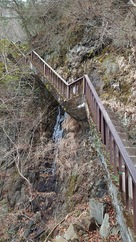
[
  {"x": 50, "y": 172},
  {"x": 46, "y": 183},
  {"x": 50, "y": 184},
  {"x": 97, "y": 38}
]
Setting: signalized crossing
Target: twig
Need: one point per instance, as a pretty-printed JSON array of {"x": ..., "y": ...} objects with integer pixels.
[
  {"x": 54, "y": 229},
  {"x": 57, "y": 226}
]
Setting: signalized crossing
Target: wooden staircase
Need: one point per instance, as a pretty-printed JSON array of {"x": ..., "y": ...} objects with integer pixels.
[
  {"x": 79, "y": 97},
  {"x": 129, "y": 144},
  {"x": 69, "y": 96}
]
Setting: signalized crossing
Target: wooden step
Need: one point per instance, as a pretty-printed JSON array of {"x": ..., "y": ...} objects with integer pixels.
[
  {"x": 131, "y": 151},
  {"x": 133, "y": 158},
  {"x": 119, "y": 128},
  {"x": 128, "y": 143},
  {"x": 114, "y": 121},
  {"x": 123, "y": 135}
]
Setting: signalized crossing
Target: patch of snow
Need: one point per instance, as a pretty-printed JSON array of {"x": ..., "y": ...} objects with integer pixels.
[{"x": 81, "y": 105}]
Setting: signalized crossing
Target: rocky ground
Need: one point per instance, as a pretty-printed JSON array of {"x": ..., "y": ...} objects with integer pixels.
[
  {"x": 48, "y": 186},
  {"x": 113, "y": 74}
]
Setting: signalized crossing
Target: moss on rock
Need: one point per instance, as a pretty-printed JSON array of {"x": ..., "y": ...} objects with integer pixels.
[{"x": 71, "y": 186}]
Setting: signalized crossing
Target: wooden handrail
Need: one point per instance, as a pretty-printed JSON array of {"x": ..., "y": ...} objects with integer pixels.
[
  {"x": 119, "y": 157},
  {"x": 50, "y": 68},
  {"x": 75, "y": 81},
  {"x": 112, "y": 129}
]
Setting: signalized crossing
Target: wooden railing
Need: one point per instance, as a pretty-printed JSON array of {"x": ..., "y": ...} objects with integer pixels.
[
  {"x": 66, "y": 90},
  {"x": 123, "y": 167}
]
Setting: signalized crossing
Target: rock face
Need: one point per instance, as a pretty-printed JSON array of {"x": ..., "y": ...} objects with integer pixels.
[
  {"x": 71, "y": 234},
  {"x": 25, "y": 134},
  {"x": 59, "y": 239},
  {"x": 96, "y": 211},
  {"x": 105, "y": 227},
  {"x": 13, "y": 30},
  {"x": 56, "y": 179}
]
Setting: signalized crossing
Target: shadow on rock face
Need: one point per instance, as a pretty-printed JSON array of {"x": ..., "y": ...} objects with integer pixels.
[
  {"x": 99, "y": 189},
  {"x": 46, "y": 184},
  {"x": 45, "y": 203}
]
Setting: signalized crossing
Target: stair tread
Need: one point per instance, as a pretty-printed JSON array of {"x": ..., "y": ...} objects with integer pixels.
[
  {"x": 130, "y": 145},
  {"x": 133, "y": 158},
  {"x": 119, "y": 128},
  {"x": 122, "y": 135},
  {"x": 131, "y": 151}
]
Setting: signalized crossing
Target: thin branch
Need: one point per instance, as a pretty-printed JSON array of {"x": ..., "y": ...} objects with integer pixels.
[
  {"x": 18, "y": 161},
  {"x": 54, "y": 229},
  {"x": 132, "y": 3}
]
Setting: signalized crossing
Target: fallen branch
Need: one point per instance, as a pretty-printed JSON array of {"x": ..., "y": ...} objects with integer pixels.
[
  {"x": 54, "y": 229},
  {"x": 57, "y": 226}
]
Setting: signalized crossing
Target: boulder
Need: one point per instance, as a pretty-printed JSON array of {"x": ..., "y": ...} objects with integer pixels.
[
  {"x": 59, "y": 239},
  {"x": 105, "y": 227},
  {"x": 71, "y": 233},
  {"x": 85, "y": 221},
  {"x": 96, "y": 211}
]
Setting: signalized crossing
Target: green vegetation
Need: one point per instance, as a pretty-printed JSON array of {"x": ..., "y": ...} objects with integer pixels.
[{"x": 71, "y": 186}]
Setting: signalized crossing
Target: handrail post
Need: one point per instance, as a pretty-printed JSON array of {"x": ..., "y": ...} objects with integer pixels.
[
  {"x": 31, "y": 55},
  {"x": 44, "y": 69},
  {"x": 134, "y": 204},
  {"x": 120, "y": 170},
  {"x": 126, "y": 188},
  {"x": 68, "y": 92},
  {"x": 84, "y": 84}
]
